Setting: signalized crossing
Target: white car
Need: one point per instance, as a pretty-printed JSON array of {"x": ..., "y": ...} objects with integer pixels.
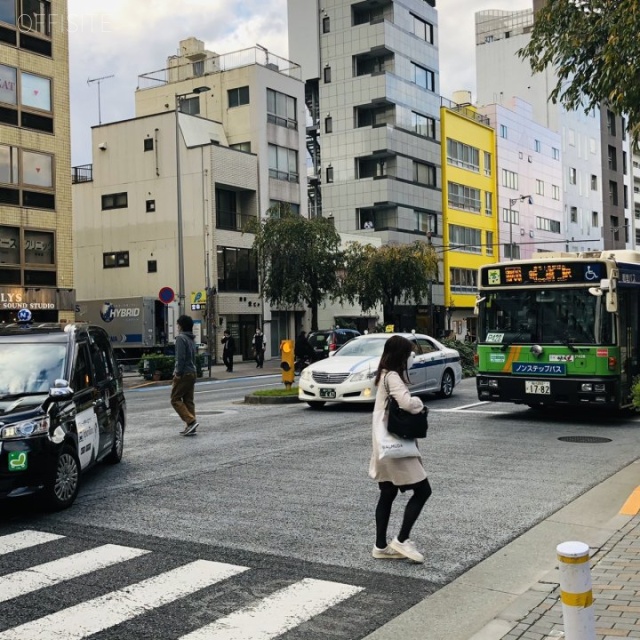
[{"x": 348, "y": 375}]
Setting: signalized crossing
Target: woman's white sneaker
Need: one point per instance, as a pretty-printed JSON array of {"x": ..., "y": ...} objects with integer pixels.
[
  {"x": 385, "y": 554},
  {"x": 408, "y": 549}
]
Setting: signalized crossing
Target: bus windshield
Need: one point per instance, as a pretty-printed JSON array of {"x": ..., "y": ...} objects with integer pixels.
[{"x": 560, "y": 316}]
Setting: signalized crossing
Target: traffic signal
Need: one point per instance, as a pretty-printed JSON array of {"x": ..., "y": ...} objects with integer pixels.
[{"x": 287, "y": 362}]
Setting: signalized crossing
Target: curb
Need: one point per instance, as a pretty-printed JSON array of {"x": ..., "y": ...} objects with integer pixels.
[{"x": 253, "y": 399}]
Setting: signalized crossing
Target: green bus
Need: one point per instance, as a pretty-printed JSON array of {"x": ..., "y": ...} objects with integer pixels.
[{"x": 559, "y": 329}]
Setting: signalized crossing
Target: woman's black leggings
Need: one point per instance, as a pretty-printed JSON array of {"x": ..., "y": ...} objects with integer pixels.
[{"x": 388, "y": 493}]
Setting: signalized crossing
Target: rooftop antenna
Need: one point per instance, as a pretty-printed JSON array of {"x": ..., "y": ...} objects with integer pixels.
[{"x": 99, "y": 80}]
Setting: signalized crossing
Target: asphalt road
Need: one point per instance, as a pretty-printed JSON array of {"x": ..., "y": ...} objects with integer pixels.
[{"x": 280, "y": 493}]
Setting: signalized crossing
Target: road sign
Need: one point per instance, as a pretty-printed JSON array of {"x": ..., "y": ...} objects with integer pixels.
[{"x": 167, "y": 295}]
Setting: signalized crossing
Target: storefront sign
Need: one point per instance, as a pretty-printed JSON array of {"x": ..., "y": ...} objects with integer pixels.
[{"x": 36, "y": 299}]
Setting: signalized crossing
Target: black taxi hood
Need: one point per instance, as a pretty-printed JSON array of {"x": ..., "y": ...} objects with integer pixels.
[{"x": 29, "y": 404}]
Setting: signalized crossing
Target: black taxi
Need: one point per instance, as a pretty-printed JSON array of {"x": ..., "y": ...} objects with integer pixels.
[{"x": 62, "y": 408}]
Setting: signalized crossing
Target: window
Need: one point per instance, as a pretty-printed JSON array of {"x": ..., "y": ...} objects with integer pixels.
[
  {"x": 365, "y": 65},
  {"x": 281, "y": 109},
  {"x": 22, "y": 170},
  {"x": 592, "y": 145},
  {"x": 237, "y": 270},
  {"x": 148, "y": 144},
  {"x": 613, "y": 193},
  {"x": 463, "y": 280},
  {"x": 329, "y": 174},
  {"x": 328, "y": 124},
  {"x": 241, "y": 146},
  {"x": 424, "y": 78},
  {"x": 512, "y": 251},
  {"x": 370, "y": 15},
  {"x": 503, "y": 131},
  {"x": 115, "y": 259},
  {"x": 238, "y": 96},
  {"x": 81, "y": 375},
  {"x": 613, "y": 163},
  {"x": 152, "y": 266},
  {"x": 555, "y": 192},
  {"x": 375, "y": 117},
  {"x": 423, "y": 125},
  {"x": 227, "y": 216},
  {"x": 571, "y": 137},
  {"x": 555, "y": 153},
  {"x": 426, "y": 222},
  {"x": 369, "y": 167},
  {"x": 115, "y": 201},
  {"x": 326, "y": 24},
  {"x": 27, "y": 25},
  {"x": 422, "y": 29},
  {"x": 487, "y": 163},
  {"x": 424, "y": 173},
  {"x": 545, "y": 224},
  {"x": 150, "y": 206},
  {"x": 25, "y": 99},
  {"x": 625, "y": 195},
  {"x": 489, "y": 243},
  {"x": 511, "y": 216},
  {"x": 540, "y": 187},
  {"x": 27, "y": 256},
  {"x": 465, "y": 239},
  {"x": 594, "y": 219},
  {"x": 283, "y": 163},
  {"x": 198, "y": 68},
  {"x": 537, "y": 145},
  {"x": 624, "y": 162},
  {"x": 461, "y": 197},
  {"x": 509, "y": 179},
  {"x": 463, "y": 155},
  {"x": 327, "y": 75},
  {"x": 488, "y": 203},
  {"x": 573, "y": 214},
  {"x": 276, "y": 207},
  {"x": 611, "y": 123},
  {"x": 572, "y": 175},
  {"x": 190, "y": 106},
  {"x": 594, "y": 183}
]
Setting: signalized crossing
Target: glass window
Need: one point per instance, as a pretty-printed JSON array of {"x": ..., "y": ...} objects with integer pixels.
[
  {"x": 422, "y": 29},
  {"x": 424, "y": 78},
  {"x": 487, "y": 163},
  {"x": 555, "y": 192},
  {"x": 462, "y": 197},
  {"x": 488, "y": 203},
  {"x": 30, "y": 368},
  {"x": 8, "y": 11},
  {"x": 35, "y": 91},
  {"x": 423, "y": 125},
  {"x": 509, "y": 179},
  {"x": 38, "y": 247},
  {"x": 463, "y": 155},
  {"x": 8, "y": 164},
  {"x": 9, "y": 245},
  {"x": 237, "y": 269},
  {"x": 465, "y": 239},
  {"x": 503, "y": 131},
  {"x": 241, "y": 146},
  {"x": 81, "y": 377},
  {"x": 540, "y": 187},
  {"x": 36, "y": 16},
  {"x": 283, "y": 163},
  {"x": 424, "y": 173},
  {"x": 537, "y": 145},
  {"x": 326, "y": 24},
  {"x": 281, "y": 109},
  {"x": 114, "y": 201},
  {"x": 37, "y": 169},
  {"x": 8, "y": 84},
  {"x": 238, "y": 96},
  {"x": 555, "y": 153},
  {"x": 489, "y": 243}
]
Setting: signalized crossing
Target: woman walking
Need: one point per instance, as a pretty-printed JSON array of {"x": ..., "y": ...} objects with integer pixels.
[{"x": 393, "y": 474}]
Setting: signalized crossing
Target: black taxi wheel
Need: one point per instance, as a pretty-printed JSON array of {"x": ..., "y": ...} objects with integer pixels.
[
  {"x": 115, "y": 455},
  {"x": 63, "y": 490}
]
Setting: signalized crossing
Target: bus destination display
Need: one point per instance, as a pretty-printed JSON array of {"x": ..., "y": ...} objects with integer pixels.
[{"x": 542, "y": 273}]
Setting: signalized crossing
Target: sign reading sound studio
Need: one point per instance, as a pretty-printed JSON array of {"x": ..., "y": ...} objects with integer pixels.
[{"x": 13, "y": 299}]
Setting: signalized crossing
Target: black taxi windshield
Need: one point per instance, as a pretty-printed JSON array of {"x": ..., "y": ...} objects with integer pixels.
[
  {"x": 27, "y": 368},
  {"x": 560, "y": 316}
]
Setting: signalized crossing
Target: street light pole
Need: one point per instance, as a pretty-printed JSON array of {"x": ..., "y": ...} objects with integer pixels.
[
  {"x": 513, "y": 201},
  {"x": 181, "y": 284}
]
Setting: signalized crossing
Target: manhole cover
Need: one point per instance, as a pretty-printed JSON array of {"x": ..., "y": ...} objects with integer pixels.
[{"x": 585, "y": 439}]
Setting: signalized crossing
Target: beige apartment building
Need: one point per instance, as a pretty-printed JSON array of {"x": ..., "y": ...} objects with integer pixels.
[{"x": 36, "y": 261}]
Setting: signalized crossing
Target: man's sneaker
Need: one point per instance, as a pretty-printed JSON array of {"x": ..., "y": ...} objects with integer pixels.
[
  {"x": 191, "y": 429},
  {"x": 385, "y": 554},
  {"x": 408, "y": 549}
]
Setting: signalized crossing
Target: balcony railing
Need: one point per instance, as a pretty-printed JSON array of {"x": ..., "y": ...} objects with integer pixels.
[
  {"x": 232, "y": 220},
  {"x": 82, "y": 173},
  {"x": 465, "y": 111}
]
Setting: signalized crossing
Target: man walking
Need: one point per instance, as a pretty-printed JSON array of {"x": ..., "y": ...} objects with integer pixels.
[
  {"x": 228, "y": 349},
  {"x": 184, "y": 376},
  {"x": 259, "y": 347}
]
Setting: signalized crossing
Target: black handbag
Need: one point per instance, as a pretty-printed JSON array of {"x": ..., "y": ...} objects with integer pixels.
[{"x": 403, "y": 424}]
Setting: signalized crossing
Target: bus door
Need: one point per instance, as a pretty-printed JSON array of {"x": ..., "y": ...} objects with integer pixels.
[{"x": 629, "y": 337}]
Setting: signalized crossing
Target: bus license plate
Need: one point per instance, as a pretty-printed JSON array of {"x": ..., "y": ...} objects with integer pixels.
[
  {"x": 327, "y": 393},
  {"x": 540, "y": 387}
]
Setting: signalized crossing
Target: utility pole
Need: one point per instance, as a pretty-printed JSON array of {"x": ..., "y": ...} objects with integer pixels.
[{"x": 98, "y": 81}]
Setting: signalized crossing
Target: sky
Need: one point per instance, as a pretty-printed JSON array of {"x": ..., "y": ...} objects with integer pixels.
[{"x": 125, "y": 38}]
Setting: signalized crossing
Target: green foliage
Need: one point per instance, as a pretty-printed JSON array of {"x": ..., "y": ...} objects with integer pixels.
[
  {"x": 345, "y": 323},
  {"x": 298, "y": 259},
  {"x": 388, "y": 275},
  {"x": 164, "y": 365},
  {"x": 276, "y": 393},
  {"x": 467, "y": 352},
  {"x": 635, "y": 393},
  {"x": 593, "y": 46}
]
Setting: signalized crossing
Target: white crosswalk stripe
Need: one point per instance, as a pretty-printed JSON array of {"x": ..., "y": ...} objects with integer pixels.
[
  {"x": 20, "y": 583},
  {"x": 24, "y": 539},
  {"x": 277, "y": 614}
]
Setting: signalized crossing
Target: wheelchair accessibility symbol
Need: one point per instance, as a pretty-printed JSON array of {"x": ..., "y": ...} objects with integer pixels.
[{"x": 590, "y": 274}]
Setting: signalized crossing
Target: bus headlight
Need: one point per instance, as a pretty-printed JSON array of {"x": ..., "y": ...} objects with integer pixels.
[{"x": 586, "y": 386}]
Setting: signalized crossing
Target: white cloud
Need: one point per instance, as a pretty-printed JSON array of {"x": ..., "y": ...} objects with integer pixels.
[{"x": 126, "y": 38}]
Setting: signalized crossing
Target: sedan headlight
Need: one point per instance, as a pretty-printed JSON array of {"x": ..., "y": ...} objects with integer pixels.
[
  {"x": 305, "y": 374},
  {"x": 362, "y": 376},
  {"x": 26, "y": 429}
]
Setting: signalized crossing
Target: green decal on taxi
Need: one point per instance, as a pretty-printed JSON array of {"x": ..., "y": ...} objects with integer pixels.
[{"x": 17, "y": 460}]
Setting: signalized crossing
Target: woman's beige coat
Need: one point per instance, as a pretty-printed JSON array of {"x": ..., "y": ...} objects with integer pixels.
[{"x": 400, "y": 471}]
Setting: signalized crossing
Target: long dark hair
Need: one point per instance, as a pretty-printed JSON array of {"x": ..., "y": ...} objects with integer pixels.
[{"x": 397, "y": 350}]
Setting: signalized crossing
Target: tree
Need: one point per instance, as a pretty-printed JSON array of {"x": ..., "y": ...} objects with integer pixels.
[
  {"x": 388, "y": 275},
  {"x": 298, "y": 259},
  {"x": 594, "y": 48}
]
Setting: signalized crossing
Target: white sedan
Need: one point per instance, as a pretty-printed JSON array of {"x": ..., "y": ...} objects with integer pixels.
[{"x": 348, "y": 375}]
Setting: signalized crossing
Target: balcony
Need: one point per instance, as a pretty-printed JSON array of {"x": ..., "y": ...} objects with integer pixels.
[
  {"x": 82, "y": 173},
  {"x": 232, "y": 220}
]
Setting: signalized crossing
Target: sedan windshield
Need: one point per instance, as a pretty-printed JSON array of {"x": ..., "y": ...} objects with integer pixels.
[
  {"x": 30, "y": 368},
  {"x": 363, "y": 347}
]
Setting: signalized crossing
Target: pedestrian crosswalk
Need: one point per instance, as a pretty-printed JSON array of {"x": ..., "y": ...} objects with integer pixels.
[{"x": 262, "y": 619}]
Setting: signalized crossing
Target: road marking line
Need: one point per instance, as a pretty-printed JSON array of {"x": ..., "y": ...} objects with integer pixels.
[
  {"x": 278, "y": 613},
  {"x": 632, "y": 505},
  {"x": 468, "y": 406},
  {"x": 481, "y": 413},
  {"x": 48, "y": 574},
  {"x": 93, "y": 616},
  {"x": 24, "y": 540}
]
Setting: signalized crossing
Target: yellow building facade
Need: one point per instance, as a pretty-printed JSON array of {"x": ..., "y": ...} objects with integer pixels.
[
  {"x": 469, "y": 210},
  {"x": 36, "y": 257}
]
